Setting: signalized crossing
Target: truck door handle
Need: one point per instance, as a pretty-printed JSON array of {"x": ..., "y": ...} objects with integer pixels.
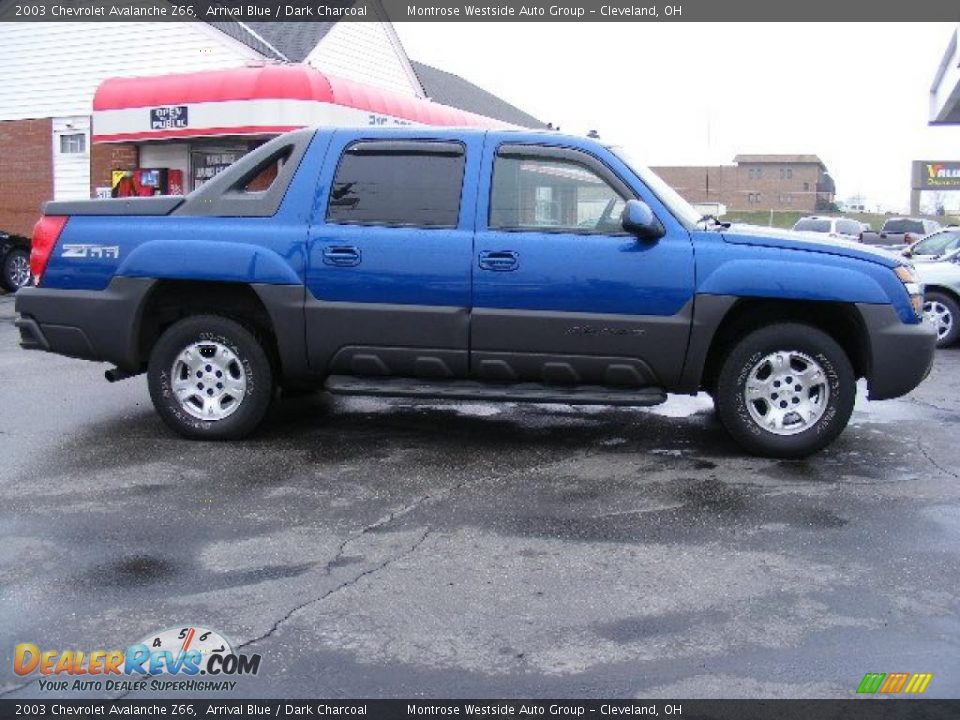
[
  {"x": 499, "y": 260},
  {"x": 341, "y": 255}
]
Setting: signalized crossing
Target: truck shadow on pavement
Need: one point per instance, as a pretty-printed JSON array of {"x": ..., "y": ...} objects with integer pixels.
[{"x": 323, "y": 431}]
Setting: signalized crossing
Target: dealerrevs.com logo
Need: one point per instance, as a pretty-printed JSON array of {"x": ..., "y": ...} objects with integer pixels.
[{"x": 172, "y": 659}]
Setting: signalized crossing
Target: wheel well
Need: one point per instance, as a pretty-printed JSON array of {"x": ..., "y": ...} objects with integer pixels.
[
  {"x": 841, "y": 321},
  {"x": 943, "y": 291},
  {"x": 173, "y": 300}
]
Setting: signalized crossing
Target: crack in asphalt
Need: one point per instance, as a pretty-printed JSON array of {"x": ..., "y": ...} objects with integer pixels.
[
  {"x": 382, "y": 522},
  {"x": 941, "y": 468},
  {"x": 328, "y": 568},
  {"x": 353, "y": 581},
  {"x": 924, "y": 403}
]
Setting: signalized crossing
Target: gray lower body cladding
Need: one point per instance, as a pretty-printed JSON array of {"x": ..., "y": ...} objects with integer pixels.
[
  {"x": 104, "y": 325},
  {"x": 98, "y": 325},
  {"x": 901, "y": 355},
  {"x": 499, "y": 345},
  {"x": 317, "y": 338}
]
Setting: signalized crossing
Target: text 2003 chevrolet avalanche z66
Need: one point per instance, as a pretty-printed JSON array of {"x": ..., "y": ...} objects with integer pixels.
[{"x": 468, "y": 264}]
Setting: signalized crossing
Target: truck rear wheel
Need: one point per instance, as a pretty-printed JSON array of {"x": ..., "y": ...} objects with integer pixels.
[
  {"x": 210, "y": 378},
  {"x": 785, "y": 391}
]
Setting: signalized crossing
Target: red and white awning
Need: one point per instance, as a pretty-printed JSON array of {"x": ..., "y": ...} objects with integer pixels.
[{"x": 256, "y": 101}]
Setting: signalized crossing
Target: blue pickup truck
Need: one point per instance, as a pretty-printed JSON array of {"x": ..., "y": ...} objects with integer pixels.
[{"x": 467, "y": 264}]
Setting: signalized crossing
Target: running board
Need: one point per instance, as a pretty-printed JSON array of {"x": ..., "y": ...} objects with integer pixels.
[{"x": 508, "y": 392}]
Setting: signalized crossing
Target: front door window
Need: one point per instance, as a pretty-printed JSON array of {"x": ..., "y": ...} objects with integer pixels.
[{"x": 550, "y": 194}]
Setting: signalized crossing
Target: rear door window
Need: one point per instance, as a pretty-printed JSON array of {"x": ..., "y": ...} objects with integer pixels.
[{"x": 407, "y": 184}]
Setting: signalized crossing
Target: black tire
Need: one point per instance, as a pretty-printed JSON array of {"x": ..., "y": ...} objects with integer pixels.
[
  {"x": 753, "y": 349},
  {"x": 250, "y": 356},
  {"x": 10, "y": 267},
  {"x": 945, "y": 336}
]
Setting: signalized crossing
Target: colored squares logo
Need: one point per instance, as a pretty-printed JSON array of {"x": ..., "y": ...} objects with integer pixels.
[{"x": 894, "y": 683}]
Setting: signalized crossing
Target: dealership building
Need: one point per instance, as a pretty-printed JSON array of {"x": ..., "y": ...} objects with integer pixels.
[{"x": 97, "y": 109}]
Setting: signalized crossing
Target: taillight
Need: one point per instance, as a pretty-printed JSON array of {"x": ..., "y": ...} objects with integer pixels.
[
  {"x": 45, "y": 234},
  {"x": 860, "y": 239},
  {"x": 907, "y": 238}
]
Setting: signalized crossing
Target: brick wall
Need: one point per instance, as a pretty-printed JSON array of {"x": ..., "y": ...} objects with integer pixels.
[
  {"x": 773, "y": 189},
  {"x": 697, "y": 184},
  {"x": 742, "y": 187},
  {"x": 26, "y": 172},
  {"x": 107, "y": 157}
]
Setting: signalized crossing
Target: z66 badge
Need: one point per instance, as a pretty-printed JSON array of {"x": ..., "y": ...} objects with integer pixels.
[{"x": 77, "y": 250}]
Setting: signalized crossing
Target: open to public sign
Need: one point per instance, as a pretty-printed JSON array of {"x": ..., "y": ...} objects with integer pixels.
[{"x": 164, "y": 118}]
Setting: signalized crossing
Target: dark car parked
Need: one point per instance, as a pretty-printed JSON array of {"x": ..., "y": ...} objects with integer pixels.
[
  {"x": 900, "y": 231},
  {"x": 14, "y": 261}
]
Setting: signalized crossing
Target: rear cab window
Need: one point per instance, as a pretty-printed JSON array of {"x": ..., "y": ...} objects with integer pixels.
[{"x": 410, "y": 183}]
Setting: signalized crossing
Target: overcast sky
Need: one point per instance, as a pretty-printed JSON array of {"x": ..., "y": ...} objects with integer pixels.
[{"x": 854, "y": 94}]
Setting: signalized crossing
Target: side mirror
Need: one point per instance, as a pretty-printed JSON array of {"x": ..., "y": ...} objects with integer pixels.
[{"x": 638, "y": 219}]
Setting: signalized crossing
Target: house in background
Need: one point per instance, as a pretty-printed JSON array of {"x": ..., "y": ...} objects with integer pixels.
[{"x": 73, "y": 118}]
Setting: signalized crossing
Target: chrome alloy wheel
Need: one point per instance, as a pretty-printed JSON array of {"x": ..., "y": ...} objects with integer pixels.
[
  {"x": 208, "y": 380},
  {"x": 19, "y": 271},
  {"x": 938, "y": 315},
  {"x": 786, "y": 392}
]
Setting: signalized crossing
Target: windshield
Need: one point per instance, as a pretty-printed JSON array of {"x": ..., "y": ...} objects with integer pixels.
[
  {"x": 810, "y": 225},
  {"x": 937, "y": 244},
  {"x": 680, "y": 208}
]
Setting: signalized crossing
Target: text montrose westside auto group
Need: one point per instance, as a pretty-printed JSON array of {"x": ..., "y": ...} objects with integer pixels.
[{"x": 502, "y": 11}]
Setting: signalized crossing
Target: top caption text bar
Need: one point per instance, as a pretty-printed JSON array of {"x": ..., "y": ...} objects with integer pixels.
[{"x": 482, "y": 10}]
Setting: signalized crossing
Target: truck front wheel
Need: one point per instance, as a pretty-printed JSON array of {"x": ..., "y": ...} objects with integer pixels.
[
  {"x": 210, "y": 378},
  {"x": 785, "y": 391}
]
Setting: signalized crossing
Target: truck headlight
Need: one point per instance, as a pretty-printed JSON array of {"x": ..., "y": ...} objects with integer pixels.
[{"x": 911, "y": 281}]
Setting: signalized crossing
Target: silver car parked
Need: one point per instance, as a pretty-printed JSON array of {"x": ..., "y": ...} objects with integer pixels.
[
  {"x": 939, "y": 245},
  {"x": 941, "y": 297}
]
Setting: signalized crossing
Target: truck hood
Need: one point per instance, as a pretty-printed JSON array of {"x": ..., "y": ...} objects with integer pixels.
[{"x": 810, "y": 242}]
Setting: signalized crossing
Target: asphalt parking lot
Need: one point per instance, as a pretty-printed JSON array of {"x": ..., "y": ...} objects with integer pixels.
[{"x": 385, "y": 549}]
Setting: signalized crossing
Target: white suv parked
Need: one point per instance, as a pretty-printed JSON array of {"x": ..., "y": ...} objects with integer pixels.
[{"x": 835, "y": 227}]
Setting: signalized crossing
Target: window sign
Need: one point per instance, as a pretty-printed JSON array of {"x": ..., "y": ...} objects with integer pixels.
[{"x": 166, "y": 118}]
